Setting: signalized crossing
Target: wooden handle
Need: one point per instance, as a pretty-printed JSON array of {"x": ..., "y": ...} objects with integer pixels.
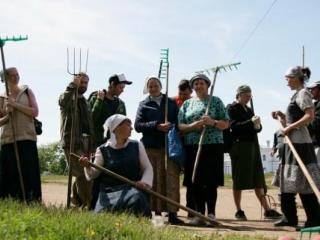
[
  {"x": 156, "y": 194},
  {"x": 302, "y": 166}
]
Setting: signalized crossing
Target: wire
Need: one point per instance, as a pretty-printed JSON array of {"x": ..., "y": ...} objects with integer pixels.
[{"x": 254, "y": 30}]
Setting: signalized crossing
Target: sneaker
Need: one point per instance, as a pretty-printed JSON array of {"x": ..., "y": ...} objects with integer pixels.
[
  {"x": 308, "y": 224},
  {"x": 196, "y": 221},
  {"x": 272, "y": 214},
  {"x": 173, "y": 219},
  {"x": 283, "y": 222},
  {"x": 240, "y": 215},
  {"x": 212, "y": 216}
]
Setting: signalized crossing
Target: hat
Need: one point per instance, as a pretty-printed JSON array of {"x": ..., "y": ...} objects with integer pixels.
[
  {"x": 243, "y": 89},
  {"x": 315, "y": 84},
  {"x": 114, "y": 121},
  {"x": 111, "y": 124},
  {"x": 145, "y": 89},
  {"x": 118, "y": 79},
  {"x": 200, "y": 76},
  {"x": 294, "y": 72}
]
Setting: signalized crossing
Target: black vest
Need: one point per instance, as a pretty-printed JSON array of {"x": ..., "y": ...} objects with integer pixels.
[
  {"x": 294, "y": 112},
  {"x": 124, "y": 161}
]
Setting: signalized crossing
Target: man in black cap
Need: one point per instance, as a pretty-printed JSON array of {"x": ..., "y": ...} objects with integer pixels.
[
  {"x": 104, "y": 104},
  {"x": 314, "y": 127}
]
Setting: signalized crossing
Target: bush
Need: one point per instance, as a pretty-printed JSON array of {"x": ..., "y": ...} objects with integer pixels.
[{"x": 52, "y": 159}]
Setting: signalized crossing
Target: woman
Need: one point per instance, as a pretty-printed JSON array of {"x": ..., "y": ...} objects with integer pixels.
[
  {"x": 19, "y": 108},
  {"x": 247, "y": 169},
  {"x": 150, "y": 121},
  {"x": 127, "y": 158},
  {"x": 289, "y": 177},
  {"x": 192, "y": 118}
]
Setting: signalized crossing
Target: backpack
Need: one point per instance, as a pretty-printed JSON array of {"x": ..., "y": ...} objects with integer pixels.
[
  {"x": 175, "y": 147},
  {"x": 95, "y": 95},
  {"x": 37, "y": 123}
]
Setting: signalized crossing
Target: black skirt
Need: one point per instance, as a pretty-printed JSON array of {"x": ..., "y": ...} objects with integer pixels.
[
  {"x": 247, "y": 169},
  {"x": 9, "y": 177},
  {"x": 210, "y": 166}
]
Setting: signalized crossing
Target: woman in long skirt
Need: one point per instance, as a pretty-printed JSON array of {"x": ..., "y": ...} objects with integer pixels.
[{"x": 289, "y": 177}]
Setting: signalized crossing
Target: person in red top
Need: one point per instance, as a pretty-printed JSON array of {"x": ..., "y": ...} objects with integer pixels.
[{"x": 184, "y": 93}]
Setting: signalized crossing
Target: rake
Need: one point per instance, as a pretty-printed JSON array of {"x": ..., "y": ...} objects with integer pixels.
[
  {"x": 214, "y": 223},
  {"x": 15, "y": 146},
  {"x": 215, "y": 70},
  {"x": 164, "y": 75}
]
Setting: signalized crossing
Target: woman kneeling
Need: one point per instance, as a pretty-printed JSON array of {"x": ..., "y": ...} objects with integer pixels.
[{"x": 127, "y": 158}]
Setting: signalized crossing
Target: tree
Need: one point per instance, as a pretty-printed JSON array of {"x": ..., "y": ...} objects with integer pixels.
[{"x": 52, "y": 159}]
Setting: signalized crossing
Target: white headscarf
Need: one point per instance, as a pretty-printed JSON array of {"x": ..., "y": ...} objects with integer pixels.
[
  {"x": 111, "y": 124},
  {"x": 145, "y": 89}
]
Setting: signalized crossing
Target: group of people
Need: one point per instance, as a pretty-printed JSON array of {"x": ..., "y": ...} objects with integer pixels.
[{"x": 99, "y": 124}]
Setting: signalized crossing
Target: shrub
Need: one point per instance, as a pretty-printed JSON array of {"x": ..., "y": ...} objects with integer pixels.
[{"x": 52, "y": 159}]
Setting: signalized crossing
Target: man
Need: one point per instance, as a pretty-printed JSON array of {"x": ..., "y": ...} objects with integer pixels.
[
  {"x": 314, "y": 127},
  {"x": 278, "y": 141},
  {"x": 104, "y": 104},
  {"x": 184, "y": 92},
  {"x": 76, "y": 129}
]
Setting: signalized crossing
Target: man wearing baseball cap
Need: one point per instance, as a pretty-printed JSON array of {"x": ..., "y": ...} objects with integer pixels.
[{"x": 105, "y": 103}]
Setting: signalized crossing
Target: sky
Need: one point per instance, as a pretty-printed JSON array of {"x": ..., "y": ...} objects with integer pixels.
[{"x": 125, "y": 36}]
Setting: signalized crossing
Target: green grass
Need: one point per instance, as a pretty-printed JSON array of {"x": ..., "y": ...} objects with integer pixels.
[
  {"x": 228, "y": 180},
  {"x": 61, "y": 179},
  {"x": 18, "y": 221}
]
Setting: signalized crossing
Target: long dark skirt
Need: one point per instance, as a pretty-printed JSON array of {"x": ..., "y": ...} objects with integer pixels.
[
  {"x": 247, "y": 169},
  {"x": 9, "y": 177},
  {"x": 210, "y": 167}
]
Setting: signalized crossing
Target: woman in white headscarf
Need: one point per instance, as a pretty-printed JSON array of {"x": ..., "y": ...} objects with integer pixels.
[
  {"x": 127, "y": 158},
  {"x": 151, "y": 122}
]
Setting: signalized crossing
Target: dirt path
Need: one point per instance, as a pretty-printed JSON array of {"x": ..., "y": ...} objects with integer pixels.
[{"x": 55, "y": 194}]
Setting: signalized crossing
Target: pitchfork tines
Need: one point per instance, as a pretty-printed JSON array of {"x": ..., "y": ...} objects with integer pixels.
[{"x": 74, "y": 62}]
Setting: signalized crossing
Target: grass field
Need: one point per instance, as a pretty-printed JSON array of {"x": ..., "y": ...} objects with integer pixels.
[
  {"x": 54, "y": 179},
  {"x": 19, "y": 221}
]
